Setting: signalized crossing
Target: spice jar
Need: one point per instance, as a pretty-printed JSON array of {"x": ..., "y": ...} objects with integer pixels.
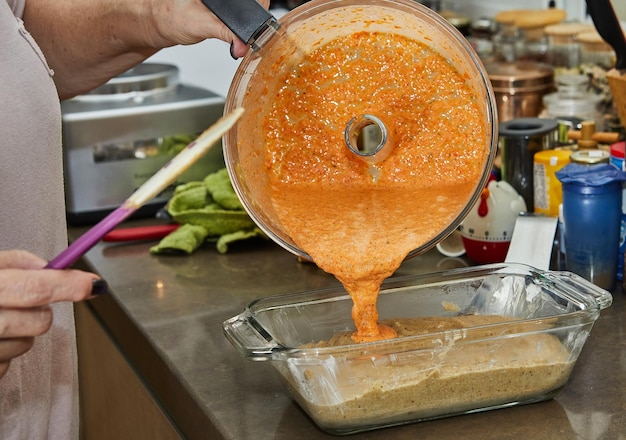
[
  {"x": 572, "y": 99},
  {"x": 563, "y": 46},
  {"x": 481, "y": 36},
  {"x": 459, "y": 21},
  {"x": 594, "y": 50},
  {"x": 507, "y": 41},
  {"x": 532, "y": 24}
]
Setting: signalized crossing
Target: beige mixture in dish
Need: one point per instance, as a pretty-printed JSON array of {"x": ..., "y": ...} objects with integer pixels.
[{"x": 455, "y": 377}]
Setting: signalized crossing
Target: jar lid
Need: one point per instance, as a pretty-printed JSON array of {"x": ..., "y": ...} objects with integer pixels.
[
  {"x": 592, "y": 37},
  {"x": 552, "y": 157},
  {"x": 590, "y": 157},
  {"x": 567, "y": 29},
  {"x": 572, "y": 80},
  {"x": 539, "y": 18},
  {"x": 507, "y": 16},
  {"x": 457, "y": 20},
  {"x": 517, "y": 77},
  {"x": 595, "y": 175},
  {"x": 484, "y": 24}
]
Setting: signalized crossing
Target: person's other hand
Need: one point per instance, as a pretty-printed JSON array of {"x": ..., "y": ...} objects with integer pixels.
[
  {"x": 187, "y": 22},
  {"x": 26, "y": 292}
]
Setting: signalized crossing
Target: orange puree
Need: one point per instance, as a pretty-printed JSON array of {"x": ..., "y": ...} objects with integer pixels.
[{"x": 359, "y": 221}]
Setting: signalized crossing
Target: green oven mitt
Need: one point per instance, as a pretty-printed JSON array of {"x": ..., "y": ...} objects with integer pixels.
[
  {"x": 183, "y": 240},
  {"x": 208, "y": 211}
]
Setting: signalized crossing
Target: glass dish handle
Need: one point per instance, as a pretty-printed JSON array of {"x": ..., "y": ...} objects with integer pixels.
[
  {"x": 581, "y": 286},
  {"x": 250, "y": 339}
]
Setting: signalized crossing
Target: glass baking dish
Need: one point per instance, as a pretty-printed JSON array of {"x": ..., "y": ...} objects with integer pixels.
[{"x": 463, "y": 363}]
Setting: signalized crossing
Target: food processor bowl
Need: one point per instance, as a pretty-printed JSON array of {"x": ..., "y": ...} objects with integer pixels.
[{"x": 305, "y": 29}]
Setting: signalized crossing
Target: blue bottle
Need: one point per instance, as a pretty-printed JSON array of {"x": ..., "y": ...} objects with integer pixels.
[{"x": 592, "y": 213}]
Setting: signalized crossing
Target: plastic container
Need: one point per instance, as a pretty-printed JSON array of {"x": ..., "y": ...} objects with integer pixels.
[
  {"x": 617, "y": 160},
  {"x": 592, "y": 213},
  {"x": 439, "y": 373},
  {"x": 616, "y": 152},
  {"x": 573, "y": 100},
  {"x": 258, "y": 79},
  {"x": 547, "y": 188}
]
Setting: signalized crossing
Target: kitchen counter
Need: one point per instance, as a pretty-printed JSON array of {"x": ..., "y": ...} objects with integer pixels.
[{"x": 164, "y": 314}]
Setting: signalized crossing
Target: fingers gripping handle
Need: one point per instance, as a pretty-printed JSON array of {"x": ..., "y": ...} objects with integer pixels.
[{"x": 247, "y": 19}]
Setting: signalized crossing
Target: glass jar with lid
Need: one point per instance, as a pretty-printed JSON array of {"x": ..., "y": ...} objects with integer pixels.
[
  {"x": 532, "y": 24},
  {"x": 482, "y": 31},
  {"x": 594, "y": 50},
  {"x": 573, "y": 100},
  {"x": 507, "y": 41},
  {"x": 563, "y": 47}
]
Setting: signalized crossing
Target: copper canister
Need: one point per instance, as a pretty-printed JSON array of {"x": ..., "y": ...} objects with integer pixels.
[{"x": 519, "y": 88}]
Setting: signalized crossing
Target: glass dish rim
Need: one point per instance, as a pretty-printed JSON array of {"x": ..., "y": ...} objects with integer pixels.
[{"x": 589, "y": 307}]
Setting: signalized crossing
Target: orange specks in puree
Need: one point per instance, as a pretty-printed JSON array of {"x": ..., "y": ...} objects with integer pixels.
[{"x": 355, "y": 221}]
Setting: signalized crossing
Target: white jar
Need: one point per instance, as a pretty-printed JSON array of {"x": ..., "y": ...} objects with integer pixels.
[{"x": 573, "y": 100}]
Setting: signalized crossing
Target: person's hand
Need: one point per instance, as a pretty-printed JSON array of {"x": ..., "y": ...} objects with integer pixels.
[
  {"x": 26, "y": 292},
  {"x": 88, "y": 42},
  {"x": 187, "y": 22}
]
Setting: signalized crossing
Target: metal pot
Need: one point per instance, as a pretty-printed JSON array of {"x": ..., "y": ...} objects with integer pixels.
[{"x": 519, "y": 88}]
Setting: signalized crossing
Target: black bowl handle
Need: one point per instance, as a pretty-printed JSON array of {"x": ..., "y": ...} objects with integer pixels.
[
  {"x": 605, "y": 21},
  {"x": 247, "y": 19}
]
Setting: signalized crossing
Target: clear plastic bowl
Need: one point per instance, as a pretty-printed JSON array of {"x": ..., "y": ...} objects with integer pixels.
[
  {"x": 525, "y": 358},
  {"x": 309, "y": 26}
]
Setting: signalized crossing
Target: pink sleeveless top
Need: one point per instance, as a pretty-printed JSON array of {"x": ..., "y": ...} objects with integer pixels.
[{"x": 38, "y": 394}]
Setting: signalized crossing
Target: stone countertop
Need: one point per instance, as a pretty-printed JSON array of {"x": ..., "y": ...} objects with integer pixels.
[{"x": 165, "y": 314}]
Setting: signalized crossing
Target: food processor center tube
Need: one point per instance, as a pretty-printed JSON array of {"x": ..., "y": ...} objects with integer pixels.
[{"x": 367, "y": 137}]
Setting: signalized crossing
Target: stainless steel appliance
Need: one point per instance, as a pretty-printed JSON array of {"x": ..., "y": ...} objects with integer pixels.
[{"x": 119, "y": 135}]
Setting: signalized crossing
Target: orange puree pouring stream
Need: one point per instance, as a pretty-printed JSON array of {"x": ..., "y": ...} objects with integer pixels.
[{"x": 359, "y": 221}]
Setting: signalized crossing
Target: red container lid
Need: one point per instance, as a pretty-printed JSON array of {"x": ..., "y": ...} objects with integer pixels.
[{"x": 617, "y": 149}]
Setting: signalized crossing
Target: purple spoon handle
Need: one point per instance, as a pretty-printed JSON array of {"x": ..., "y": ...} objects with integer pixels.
[
  {"x": 146, "y": 192},
  {"x": 89, "y": 239}
]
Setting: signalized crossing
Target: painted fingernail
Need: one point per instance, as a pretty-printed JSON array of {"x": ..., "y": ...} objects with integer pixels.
[
  {"x": 232, "y": 50},
  {"x": 99, "y": 287}
]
